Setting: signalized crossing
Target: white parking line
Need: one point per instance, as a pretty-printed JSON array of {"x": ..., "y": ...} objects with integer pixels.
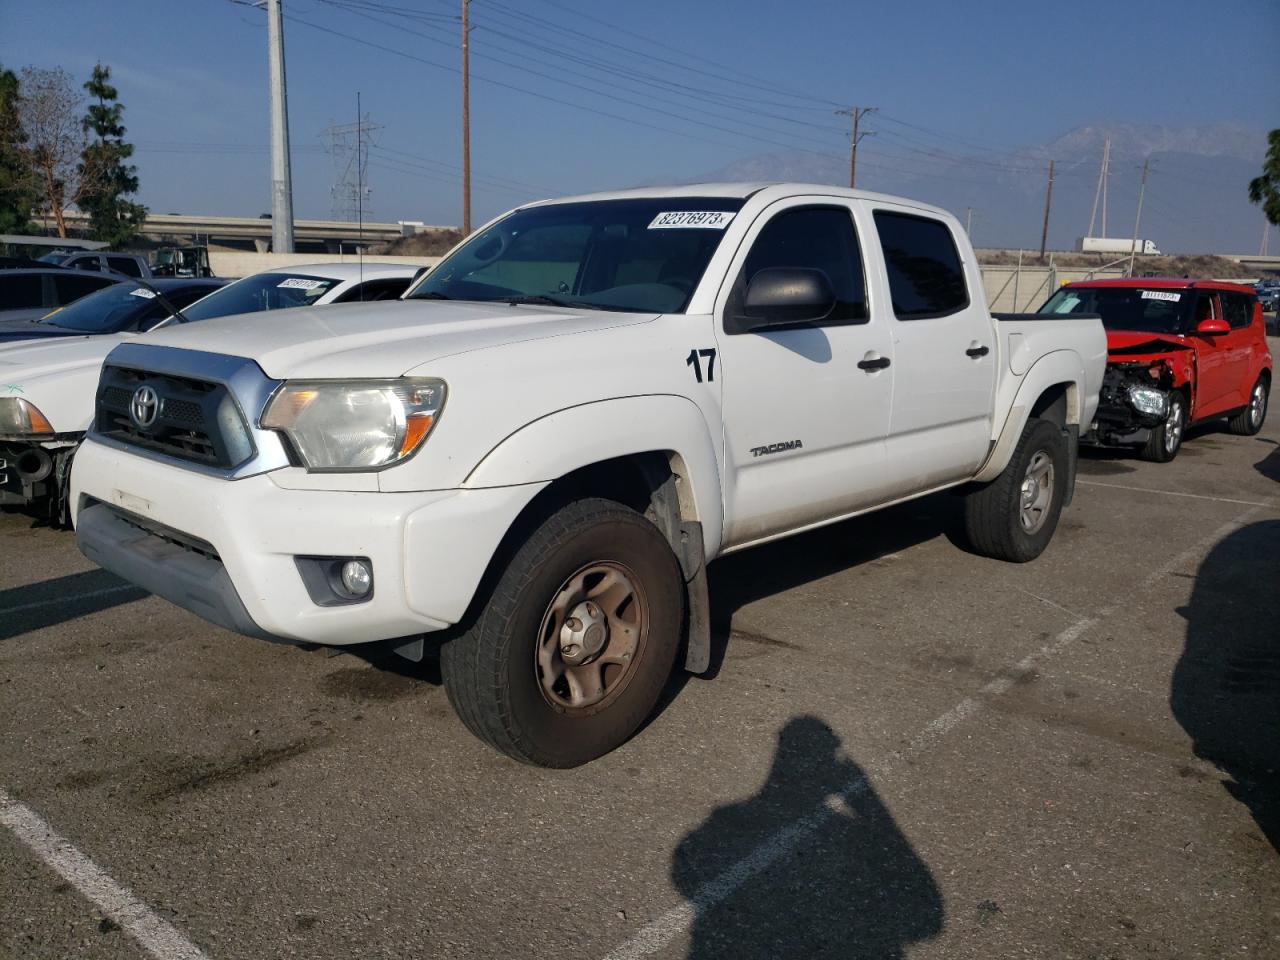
[
  {"x": 157, "y": 936},
  {"x": 661, "y": 931},
  {"x": 1175, "y": 493},
  {"x": 64, "y": 600}
]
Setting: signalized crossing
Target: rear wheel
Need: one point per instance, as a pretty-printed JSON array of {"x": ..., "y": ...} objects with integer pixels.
[
  {"x": 1166, "y": 440},
  {"x": 1014, "y": 516},
  {"x": 1250, "y": 420},
  {"x": 578, "y": 637}
]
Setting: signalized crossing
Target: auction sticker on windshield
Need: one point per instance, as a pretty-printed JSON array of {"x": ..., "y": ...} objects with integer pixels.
[
  {"x": 302, "y": 283},
  {"x": 1161, "y": 295},
  {"x": 692, "y": 219},
  {"x": 143, "y": 292}
]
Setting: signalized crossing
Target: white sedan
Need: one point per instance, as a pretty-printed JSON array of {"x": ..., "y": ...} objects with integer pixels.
[{"x": 47, "y": 387}]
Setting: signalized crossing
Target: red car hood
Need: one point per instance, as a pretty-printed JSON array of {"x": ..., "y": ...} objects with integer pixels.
[{"x": 1131, "y": 344}]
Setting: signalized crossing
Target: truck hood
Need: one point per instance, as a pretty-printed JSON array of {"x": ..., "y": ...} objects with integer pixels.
[
  {"x": 1128, "y": 344},
  {"x": 379, "y": 339}
]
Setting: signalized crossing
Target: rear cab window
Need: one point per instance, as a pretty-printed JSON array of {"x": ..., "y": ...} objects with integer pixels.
[
  {"x": 126, "y": 265},
  {"x": 926, "y": 275}
]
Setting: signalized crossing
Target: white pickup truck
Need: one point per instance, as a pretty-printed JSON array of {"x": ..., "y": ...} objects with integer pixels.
[{"x": 531, "y": 460}]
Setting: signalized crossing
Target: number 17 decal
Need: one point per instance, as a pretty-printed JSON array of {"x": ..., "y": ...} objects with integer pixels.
[{"x": 694, "y": 360}]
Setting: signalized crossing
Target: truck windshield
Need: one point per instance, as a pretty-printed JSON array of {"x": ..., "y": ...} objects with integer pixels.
[
  {"x": 263, "y": 291},
  {"x": 642, "y": 255},
  {"x": 1126, "y": 308}
]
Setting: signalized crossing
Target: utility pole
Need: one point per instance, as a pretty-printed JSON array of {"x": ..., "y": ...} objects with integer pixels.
[
  {"x": 466, "y": 118},
  {"x": 1100, "y": 191},
  {"x": 968, "y": 222},
  {"x": 1266, "y": 236},
  {"x": 281, "y": 177},
  {"x": 1137, "y": 220},
  {"x": 1048, "y": 199},
  {"x": 855, "y": 114}
]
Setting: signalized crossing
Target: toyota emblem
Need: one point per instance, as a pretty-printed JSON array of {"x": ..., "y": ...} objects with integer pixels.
[{"x": 144, "y": 407}]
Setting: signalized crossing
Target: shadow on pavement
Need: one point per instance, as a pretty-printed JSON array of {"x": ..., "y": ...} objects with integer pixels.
[
  {"x": 51, "y": 602},
  {"x": 1226, "y": 687},
  {"x": 742, "y": 578},
  {"x": 854, "y": 888},
  {"x": 1269, "y": 466}
]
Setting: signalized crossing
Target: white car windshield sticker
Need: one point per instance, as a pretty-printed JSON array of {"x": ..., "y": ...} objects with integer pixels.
[
  {"x": 301, "y": 283},
  {"x": 142, "y": 292},
  {"x": 692, "y": 219},
  {"x": 1161, "y": 295}
]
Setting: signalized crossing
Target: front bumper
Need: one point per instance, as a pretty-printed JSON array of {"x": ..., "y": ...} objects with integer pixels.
[{"x": 226, "y": 549}]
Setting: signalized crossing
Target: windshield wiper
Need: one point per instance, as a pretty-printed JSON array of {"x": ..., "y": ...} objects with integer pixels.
[{"x": 539, "y": 298}]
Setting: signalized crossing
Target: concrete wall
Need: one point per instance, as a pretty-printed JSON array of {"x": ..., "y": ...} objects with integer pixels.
[
  {"x": 1010, "y": 290},
  {"x": 238, "y": 263}
]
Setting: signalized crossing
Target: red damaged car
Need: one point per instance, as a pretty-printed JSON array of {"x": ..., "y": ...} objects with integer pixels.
[{"x": 1178, "y": 352}]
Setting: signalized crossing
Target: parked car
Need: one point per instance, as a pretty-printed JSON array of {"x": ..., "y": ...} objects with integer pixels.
[
  {"x": 535, "y": 453},
  {"x": 19, "y": 262},
  {"x": 126, "y": 264},
  {"x": 313, "y": 284},
  {"x": 1180, "y": 352},
  {"x": 48, "y": 386},
  {"x": 1269, "y": 296},
  {"x": 29, "y": 294},
  {"x": 46, "y": 383}
]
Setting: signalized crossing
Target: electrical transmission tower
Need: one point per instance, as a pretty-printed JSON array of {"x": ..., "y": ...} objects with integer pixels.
[{"x": 348, "y": 144}]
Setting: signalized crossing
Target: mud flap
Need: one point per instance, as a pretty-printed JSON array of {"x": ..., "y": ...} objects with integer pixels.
[
  {"x": 1073, "y": 458},
  {"x": 693, "y": 564}
]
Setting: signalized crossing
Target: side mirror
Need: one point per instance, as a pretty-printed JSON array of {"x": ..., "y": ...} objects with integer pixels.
[
  {"x": 780, "y": 297},
  {"x": 1212, "y": 328}
]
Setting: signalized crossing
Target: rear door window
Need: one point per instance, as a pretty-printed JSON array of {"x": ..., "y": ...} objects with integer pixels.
[
  {"x": 926, "y": 277},
  {"x": 71, "y": 287},
  {"x": 21, "y": 292}
]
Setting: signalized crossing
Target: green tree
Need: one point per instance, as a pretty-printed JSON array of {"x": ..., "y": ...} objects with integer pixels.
[
  {"x": 17, "y": 194},
  {"x": 1264, "y": 190},
  {"x": 103, "y": 166}
]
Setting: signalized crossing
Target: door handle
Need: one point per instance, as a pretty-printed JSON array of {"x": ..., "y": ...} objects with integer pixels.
[
  {"x": 875, "y": 363},
  {"x": 976, "y": 352}
]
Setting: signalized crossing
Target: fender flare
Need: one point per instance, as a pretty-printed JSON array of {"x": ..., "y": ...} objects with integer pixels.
[
  {"x": 1060, "y": 366},
  {"x": 558, "y": 443}
]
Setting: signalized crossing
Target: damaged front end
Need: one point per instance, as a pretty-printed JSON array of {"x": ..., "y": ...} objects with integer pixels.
[
  {"x": 1133, "y": 401},
  {"x": 34, "y": 472}
]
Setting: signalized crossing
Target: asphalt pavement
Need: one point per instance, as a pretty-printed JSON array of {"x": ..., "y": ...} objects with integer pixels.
[{"x": 904, "y": 750}]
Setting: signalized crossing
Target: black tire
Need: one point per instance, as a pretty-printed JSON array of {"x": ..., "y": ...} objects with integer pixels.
[
  {"x": 1166, "y": 440},
  {"x": 491, "y": 673},
  {"x": 993, "y": 512},
  {"x": 1250, "y": 420}
]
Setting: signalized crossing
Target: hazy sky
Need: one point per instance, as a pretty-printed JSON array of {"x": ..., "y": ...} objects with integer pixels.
[{"x": 569, "y": 96}]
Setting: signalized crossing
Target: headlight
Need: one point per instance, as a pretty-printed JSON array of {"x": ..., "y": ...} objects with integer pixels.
[
  {"x": 1149, "y": 400},
  {"x": 20, "y": 417},
  {"x": 355, "y": 424}
]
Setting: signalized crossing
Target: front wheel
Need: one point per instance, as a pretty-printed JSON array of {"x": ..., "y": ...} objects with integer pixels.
[
  {"x": 1166, "y": 440},
  {"x": 1249, "y": 420},
  {"x": 579, "y": 635},
  {"x": 1014, "y": 516}
]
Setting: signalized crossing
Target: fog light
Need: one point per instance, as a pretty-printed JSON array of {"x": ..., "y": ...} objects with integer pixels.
[
  {"x": 357, "y": 577},
  {"x": 1148, "y": 400}
]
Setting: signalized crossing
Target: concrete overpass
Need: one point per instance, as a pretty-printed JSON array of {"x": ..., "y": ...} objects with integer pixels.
[
  {"x": 1264, "y": 265},
  {"x": 331, "y": 236}
]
